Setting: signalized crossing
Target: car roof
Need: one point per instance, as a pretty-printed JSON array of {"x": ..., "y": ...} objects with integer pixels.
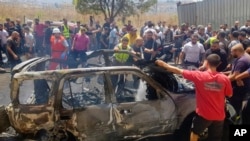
[{"x": 51, "y": 73}]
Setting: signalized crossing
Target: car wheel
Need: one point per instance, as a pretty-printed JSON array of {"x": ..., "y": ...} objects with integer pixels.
[{"x": 4, "y": 119}]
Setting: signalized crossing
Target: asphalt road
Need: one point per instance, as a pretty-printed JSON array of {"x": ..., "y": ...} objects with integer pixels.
[{"x": 4, "y": 87}]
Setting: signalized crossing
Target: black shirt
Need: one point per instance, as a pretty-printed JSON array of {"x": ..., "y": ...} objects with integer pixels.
[
  {"x": 98, "y": 34},
  {"x": 19, "y": 30},
  {"x": 180, "y": 40},
  {"x": 138, "y": 50},
  {"x": 106, "y": 25},
  {"x": 149, "y": 44},
  {"x": 105, "y": 39},
  {"x": 223, "y": 55},
  {"x": 14, "y": 47},
  {"x": 47, "y": 35},
  {"x": 11, "y": 29}
]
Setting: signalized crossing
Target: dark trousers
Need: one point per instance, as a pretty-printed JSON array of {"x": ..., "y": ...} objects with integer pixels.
[
  {"x": 246, "y": 113},
  {"x": 48, "y": 49},
  {"x": 239, "y": 93},
  {"x": 215, "y": 128},
  {"x": 13, "y": 63},
  {"x": 196, "y": 64},
  {"x": 2, "y": 49},
  {"x": 72, "y": 58},
  {"x": 39, "y": 46}
]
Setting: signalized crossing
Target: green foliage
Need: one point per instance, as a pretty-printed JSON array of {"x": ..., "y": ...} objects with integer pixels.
[{"x": 113, "y": 8}]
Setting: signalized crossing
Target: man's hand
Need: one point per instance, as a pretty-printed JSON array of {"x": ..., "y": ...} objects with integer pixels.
[
  {"x": 240, "y": 83},
  {"x": 202, "y": 68},
  {"x": 161, "y": 63},
  {"x": 15, "y": 57},
  {"x": 168, "y": 67}
]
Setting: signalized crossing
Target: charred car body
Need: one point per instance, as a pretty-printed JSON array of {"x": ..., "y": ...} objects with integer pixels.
[{"x": 89, "y": 104}]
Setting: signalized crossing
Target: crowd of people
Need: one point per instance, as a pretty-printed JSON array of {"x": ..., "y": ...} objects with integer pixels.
[{"x": 193, "y": 44}]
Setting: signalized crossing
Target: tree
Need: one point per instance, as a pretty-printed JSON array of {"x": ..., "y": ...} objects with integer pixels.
[{"x": 113, "y": 8}]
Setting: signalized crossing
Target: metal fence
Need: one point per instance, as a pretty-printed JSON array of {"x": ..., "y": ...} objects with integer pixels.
[{"x": 216, "y": 12}]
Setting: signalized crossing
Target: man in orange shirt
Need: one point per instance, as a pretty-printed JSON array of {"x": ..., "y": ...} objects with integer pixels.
[{"x": 59, "y": 47}]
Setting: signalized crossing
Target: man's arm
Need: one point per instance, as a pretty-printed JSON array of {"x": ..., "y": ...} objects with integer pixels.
[
  {"x": 168, "y": 67},
  {"x": 177, "y": 36},
  {"x": 232, "y": 76},
  {"x": 203, "y": 67},
  {"x": 102, "y": 41},
  {"x": 73, "y": 43},
  {"x": 182, "y": 56},
  {"x": 116, "y": 48},
  {"x": 88, "y": 44},
  {"x": 66, "y": 45},
  {"x": 243, "y": 75},
  {"x": 248, "y": 50},
  {"x": 11, "y": 52}
]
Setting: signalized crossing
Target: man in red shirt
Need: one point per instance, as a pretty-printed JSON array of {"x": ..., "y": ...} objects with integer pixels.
[
  {"x": 39, "y": 35},
  {"x": 211, "y": 89}
]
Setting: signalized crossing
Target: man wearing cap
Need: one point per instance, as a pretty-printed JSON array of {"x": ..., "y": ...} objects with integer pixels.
[
  {"x": 59, "y": 47},
  {"x": 215, "y": 49},
  {"x": 211, "y": 89},
  {"x": 80, "y": 46}
]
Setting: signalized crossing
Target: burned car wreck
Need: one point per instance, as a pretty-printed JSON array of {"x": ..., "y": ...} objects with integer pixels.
[{"x": 98, "y": 103}]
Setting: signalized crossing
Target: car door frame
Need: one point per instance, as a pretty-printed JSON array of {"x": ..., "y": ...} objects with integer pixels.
[
  {"x": 25, "y": 117},
  {"x": 168, "y": 125},
  {"x": 72, "y": 115}
]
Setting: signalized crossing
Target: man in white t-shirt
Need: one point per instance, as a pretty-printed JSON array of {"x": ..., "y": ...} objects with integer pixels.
[
  {"x": 3, "y": 40},
  {"x": 29, "y": 43},
  {"x": 193, "y": 52},
  {"x": 150, "y": 28},
  {"x": 113, "y": 36}
]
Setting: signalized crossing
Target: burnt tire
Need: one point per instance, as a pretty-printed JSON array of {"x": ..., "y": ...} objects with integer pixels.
[{"x": 4, "y": 119}]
